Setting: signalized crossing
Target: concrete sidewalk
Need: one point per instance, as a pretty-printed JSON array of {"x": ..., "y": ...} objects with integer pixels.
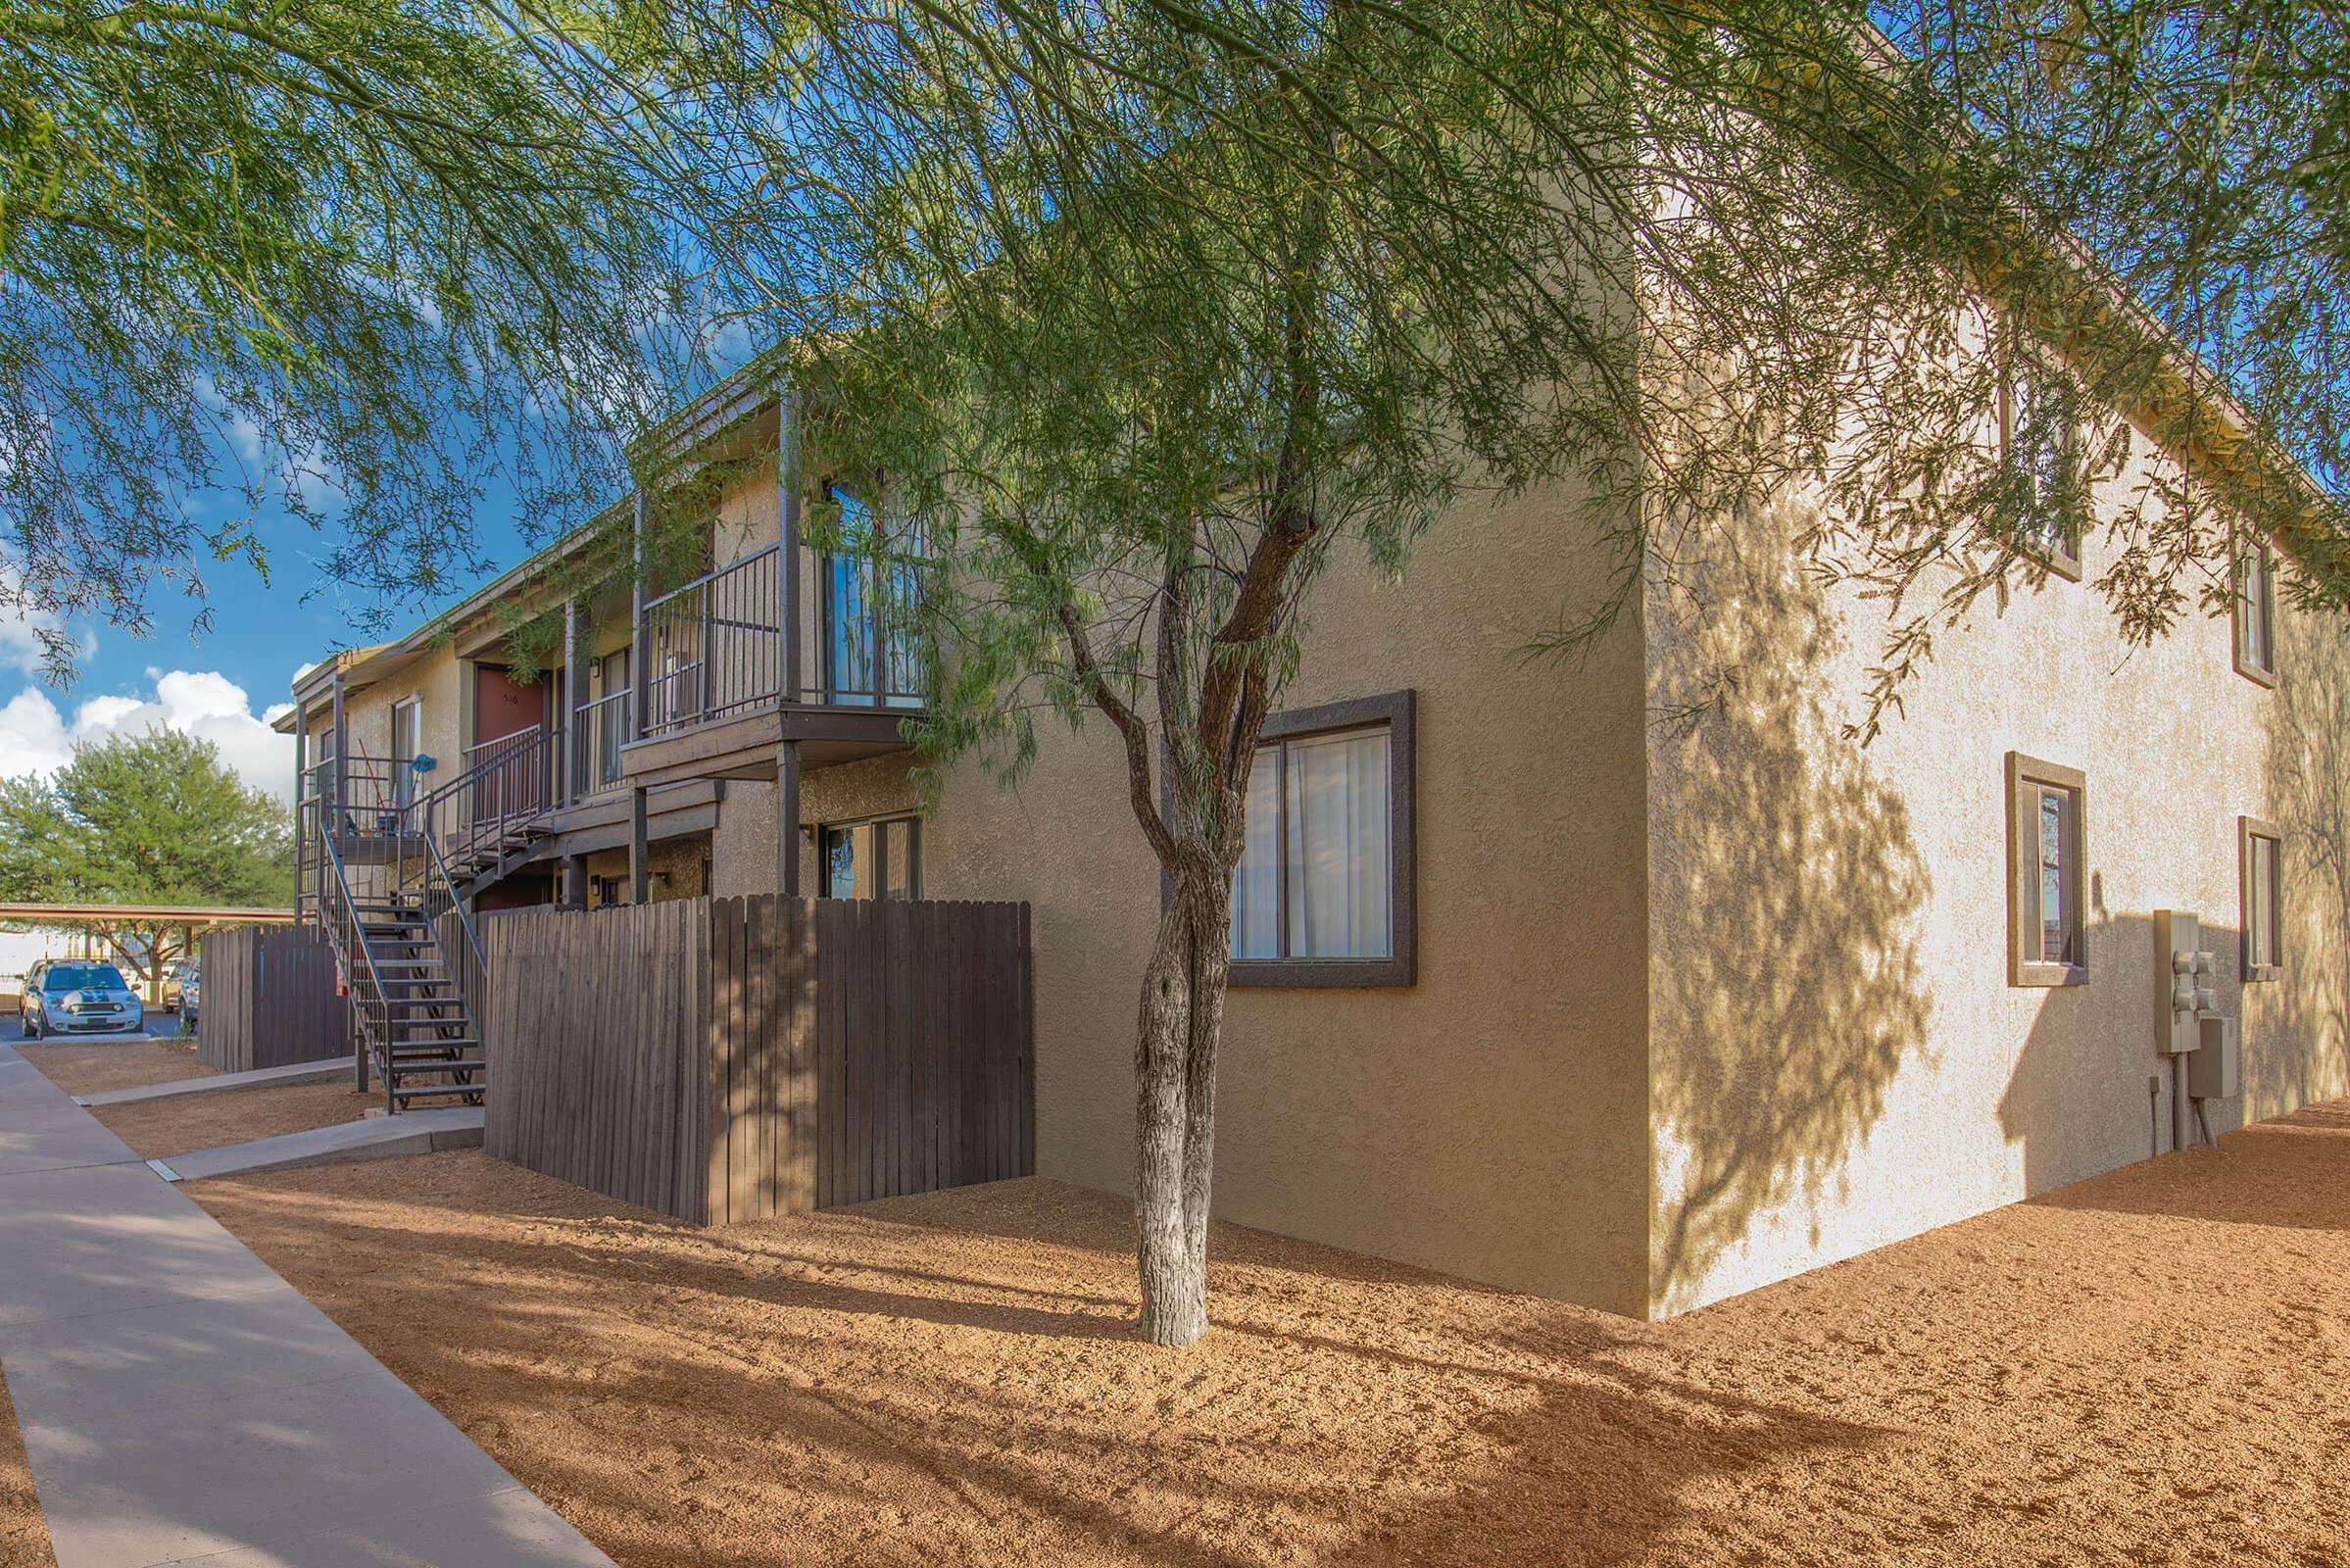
[
  {"x": 415, "y": 1132},
  {"x": 181, "y": 1401},
  {"x": 299, "y": 1072}
]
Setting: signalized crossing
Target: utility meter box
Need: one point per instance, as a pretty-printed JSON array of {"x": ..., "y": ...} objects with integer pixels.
[
  {"x": 2216, "y": 1071},
  {"x": 2182, "y": 983}
]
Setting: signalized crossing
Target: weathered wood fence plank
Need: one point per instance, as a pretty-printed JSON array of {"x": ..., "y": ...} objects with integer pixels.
[
  {"x": 731, "y": 1059},
  {"x": 268, "y": 998}
]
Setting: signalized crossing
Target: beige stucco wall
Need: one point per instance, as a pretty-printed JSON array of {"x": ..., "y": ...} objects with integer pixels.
[
  {"x": 437, "y": 678},
  {"x": 1838, "y": 1060},
  {"x": 1488, "y": 1120}
]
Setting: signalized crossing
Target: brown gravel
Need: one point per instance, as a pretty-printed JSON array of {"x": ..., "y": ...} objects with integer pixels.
[
  {"x": 2153, "y": 1367},
  {"x": 158, "y": 1129},
  {"x": 93, "y": 1066},
  {"x": 24, "y": 1535}
]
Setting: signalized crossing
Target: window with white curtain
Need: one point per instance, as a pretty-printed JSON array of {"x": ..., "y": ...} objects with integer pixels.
[{"x": 1320, "y": 895}]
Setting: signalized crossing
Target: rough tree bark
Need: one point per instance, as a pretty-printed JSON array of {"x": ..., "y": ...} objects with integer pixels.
[{"x": 1215, "y": 695}]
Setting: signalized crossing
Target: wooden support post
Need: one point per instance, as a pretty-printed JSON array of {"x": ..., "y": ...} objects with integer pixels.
[
  {"x": 640, "y": 866},
  {"x": 637, "y": 660},
  {"x": 787, "y": 510},
  {"x": 575, "y": 684},
  {"x": 300, "y": 783},
  {"x": 342, "y": 756},
  {"x": 576, "y": 881},
  {"x": 787, "y": 819}
]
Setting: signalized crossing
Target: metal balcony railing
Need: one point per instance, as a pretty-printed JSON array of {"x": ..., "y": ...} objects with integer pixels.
[
  {"x": 714, "y": 648},
  {"x": 599, "y": 729}
]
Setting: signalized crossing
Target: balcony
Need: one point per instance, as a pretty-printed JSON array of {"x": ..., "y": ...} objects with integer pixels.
[{"x": 723, "y": 677}]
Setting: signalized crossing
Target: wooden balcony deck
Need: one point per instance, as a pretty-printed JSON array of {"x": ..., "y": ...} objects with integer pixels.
[{"x": 744, "y": 744}]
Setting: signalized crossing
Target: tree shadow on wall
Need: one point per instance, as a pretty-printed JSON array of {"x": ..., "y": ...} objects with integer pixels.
[
  {"x": 2297, "y": 1028},
  {"x": 2078, "y": 1101},
  {"x": 1786, "y": 891}
]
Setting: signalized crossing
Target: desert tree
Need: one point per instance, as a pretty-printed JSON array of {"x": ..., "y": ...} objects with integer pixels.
[
  {"x": 1138, "y": 311},
  {"x": 157, "y": 818},
  {"x": 345, "y": 261}
]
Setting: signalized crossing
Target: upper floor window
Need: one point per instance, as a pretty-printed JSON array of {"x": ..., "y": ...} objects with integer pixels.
[
  {"x": 878, "y": 859},
  {"x": 2260, "y": 853},
  {"x": 2046, "y": 813},
  {"x": 871, "y": 589},
  {"x": 2256, "y": 614},
  {"x": 2038, "y": 440},
  {"x": 1323, "y": 893}
]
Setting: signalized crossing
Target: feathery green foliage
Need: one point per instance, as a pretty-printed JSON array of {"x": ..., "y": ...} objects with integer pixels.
[
  {"x": 347, "y": 260},
  {"x": 1138, "y": 312}
]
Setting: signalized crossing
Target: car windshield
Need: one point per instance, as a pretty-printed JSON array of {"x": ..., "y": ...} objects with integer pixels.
[{"x": 84, "y": 977}]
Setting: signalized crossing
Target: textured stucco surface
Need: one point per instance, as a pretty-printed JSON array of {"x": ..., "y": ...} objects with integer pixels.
[
  {"x": 1488, "y": 1120},
  {"x": 1839, "y": 1058}
]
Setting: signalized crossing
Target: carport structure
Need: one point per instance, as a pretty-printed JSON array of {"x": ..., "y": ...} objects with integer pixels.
[{"x": 168, "y": 931}]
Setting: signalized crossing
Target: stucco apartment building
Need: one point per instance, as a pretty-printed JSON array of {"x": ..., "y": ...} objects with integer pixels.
[{"x": 1620, "y": 1004}]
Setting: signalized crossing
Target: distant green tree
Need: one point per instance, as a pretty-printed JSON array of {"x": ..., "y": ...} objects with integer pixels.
[{"x": 146, "y": 819}]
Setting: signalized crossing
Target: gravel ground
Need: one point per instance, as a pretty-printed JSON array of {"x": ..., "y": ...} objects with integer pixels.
[
  {"x": 2153, "y": 1367},
  {"x": 158, "y": 1129},
  {"x": 23, "y": 1538},
  {"x": 93, "y": 1066}
]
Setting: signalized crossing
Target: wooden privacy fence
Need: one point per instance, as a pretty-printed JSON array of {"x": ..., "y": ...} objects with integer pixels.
[
  {"x": 268, "y": 998},
  {"x": 729, "y": 1059}
]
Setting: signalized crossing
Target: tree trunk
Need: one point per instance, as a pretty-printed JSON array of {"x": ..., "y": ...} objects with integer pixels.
[{"x": 1175, "y": 1109}]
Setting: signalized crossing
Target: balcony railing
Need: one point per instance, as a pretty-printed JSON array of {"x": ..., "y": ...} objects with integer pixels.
[
  {"x": 870, "y": 655},
  {"x": 714, "y": 648},
  {"x": 599, "y": 729}
]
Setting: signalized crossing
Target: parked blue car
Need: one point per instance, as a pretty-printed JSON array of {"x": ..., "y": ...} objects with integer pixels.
[{"x": 62, "y": 996}]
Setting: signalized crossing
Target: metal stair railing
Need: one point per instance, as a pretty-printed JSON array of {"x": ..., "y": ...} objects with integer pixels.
[
  {"x": 515, "y": 782},
  {"x": 370, "y": 1003}
]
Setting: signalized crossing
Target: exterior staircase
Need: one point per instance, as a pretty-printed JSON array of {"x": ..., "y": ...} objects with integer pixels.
[
  {"x": 430, "y": 1044},
  {"x": 395, "y": 884}
]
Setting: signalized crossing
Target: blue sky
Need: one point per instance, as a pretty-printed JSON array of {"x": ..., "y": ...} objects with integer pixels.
[{"x": 220, "y": 683}]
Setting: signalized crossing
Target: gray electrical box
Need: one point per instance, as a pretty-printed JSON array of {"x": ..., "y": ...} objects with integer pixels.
[
  {"x": 2215, "y": 1069},
  {"x": 2182, "y": 976}
]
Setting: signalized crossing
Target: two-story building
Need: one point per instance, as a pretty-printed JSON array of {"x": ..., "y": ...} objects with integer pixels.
[{"x": 1546, "y": 974}]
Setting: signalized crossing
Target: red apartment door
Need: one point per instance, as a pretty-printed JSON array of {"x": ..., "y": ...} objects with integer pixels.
[{"x": 502, "y": 707}]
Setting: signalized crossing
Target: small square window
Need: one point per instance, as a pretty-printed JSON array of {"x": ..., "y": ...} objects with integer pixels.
[
  {"x": 2260, "y": 853},
  {"x": 878, "y": 859},
  {"x": 2256, "y": 615},
  {"x": 2047, "y": 934},
  {"x": 1323, "y": 892}
]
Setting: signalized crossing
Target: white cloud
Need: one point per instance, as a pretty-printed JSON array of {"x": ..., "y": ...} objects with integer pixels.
[
  {"x": 36, "y": 738},
  {"x": 20, "y": 645}
]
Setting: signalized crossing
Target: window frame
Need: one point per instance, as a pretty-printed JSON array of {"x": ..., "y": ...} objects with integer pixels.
[
  {"x": 2063, "y": 556},
  {"x": 1397, "y": 713},
  {"x": 2265, "y": 575},
  {"x": 2027, "y": 776},
  {"x": 2248, "y": 829},
  {"x": 405, "y": 784},
  {"x": 874, "y": 575},
  {"x": 913, "y": 822}
]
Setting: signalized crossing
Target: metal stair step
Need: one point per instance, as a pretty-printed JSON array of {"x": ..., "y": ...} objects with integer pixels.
[{"x": 408, "y": 1070}]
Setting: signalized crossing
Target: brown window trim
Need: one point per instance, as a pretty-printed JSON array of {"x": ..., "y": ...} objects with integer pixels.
[
  {"x": 2064, "y": 560},
  {"x": 2025, "y": 966},
  {"x": 1401, "y": 966},
  {"x": 914, "y": 845},
  {"x": 2247, "y": 828},
  {"x": 2258, "y": 674}
]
